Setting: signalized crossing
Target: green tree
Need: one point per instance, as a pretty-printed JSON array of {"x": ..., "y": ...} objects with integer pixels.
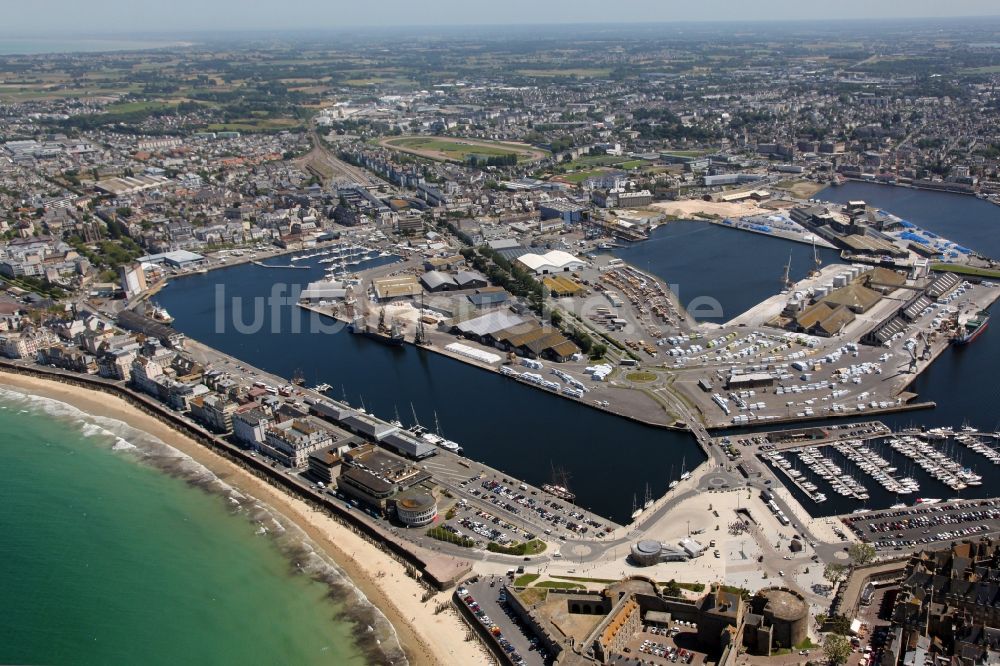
[
  {"x": 836, "y": 648},
  {"x": 834, "y": 572},
  {"x": 861, "y": 553}
]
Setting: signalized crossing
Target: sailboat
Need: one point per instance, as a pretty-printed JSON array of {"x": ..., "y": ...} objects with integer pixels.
[
  {"x": 437, "y": 439},
  {"x": 684, "y": 475},
  {"x": 649, "y": 499},
  {"x": 636, "y": 509}
]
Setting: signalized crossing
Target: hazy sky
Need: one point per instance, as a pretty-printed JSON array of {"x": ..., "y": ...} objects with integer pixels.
[{"x": 126, "y": 16}]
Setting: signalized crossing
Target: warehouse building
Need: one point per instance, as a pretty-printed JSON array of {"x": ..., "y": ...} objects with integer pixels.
[
  {"x": 436, "y": 281},
  {"x": 555, "y": 261}
]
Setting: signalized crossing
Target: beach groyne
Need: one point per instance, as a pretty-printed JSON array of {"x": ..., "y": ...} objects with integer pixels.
[{"x": 440, "y": 572}]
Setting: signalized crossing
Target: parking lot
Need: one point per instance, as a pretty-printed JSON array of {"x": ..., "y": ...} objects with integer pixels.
[
  {"x": 906, "y": 528},
  {"x": 488, "y": 595},
  {"x": 516, "y": 506},
  {"x": 490, "y": 510},
  {"x": 673, "y": 644}
]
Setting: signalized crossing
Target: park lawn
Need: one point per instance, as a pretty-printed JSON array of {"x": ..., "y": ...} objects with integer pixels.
[
  {"x": 640, "y": 376},
  {"x": 526, "y": 579},
  {"x": 526, "y": 548},
  {"x": 961, "y": 269},
  {"x": 560, "y": 585},
  {"x": 616, "y": 161},
  {"x": 687, "y": 153},
  {"x": 578, "y": 177}
]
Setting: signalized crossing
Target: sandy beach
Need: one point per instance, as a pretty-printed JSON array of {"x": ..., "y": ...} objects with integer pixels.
[{"x": 428, "y": 638}]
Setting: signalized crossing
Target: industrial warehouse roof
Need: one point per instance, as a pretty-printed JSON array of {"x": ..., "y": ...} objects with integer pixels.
[
  {"x": 406, "y": 444},
  {"x": 885, "y": 277},
  {"x": 558, "y": 284},
  {"x": 488, "y": 296},
  {"x": 855, "y": 296},
  {"x": 318, "y": 290},
  {"x": 465, "y": 277},
  {"x": 436, "y": 279},
  {"x": 394, "y": 287},
  {"x": 871, "y": 244},
  {"x": 177, "y": 257},
  {"x": 556, "y": 258},
  {"x": 830, "y": 318},
  {"x": 489, "y": 323}
]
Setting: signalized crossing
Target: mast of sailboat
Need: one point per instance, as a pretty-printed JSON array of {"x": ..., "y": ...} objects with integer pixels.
[
  {"x": 787, "y": 279},
  {"x": 816, "y": 260},
  {"x": 416, "y": 421},
  {"x": 437, "y": 426}
]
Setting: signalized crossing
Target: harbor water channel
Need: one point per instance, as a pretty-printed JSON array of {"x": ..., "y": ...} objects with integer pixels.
[{"x": 528, "y": 433}]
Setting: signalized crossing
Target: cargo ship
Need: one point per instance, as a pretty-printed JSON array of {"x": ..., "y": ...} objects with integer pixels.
[{"x": 973, "y": 328}]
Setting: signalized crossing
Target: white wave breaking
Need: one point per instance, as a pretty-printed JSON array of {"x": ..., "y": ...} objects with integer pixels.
[{"x": 291, "y": 540}]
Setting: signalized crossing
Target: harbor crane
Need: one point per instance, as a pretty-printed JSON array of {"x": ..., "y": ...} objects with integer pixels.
[
  {"x": 786, "y": 281},
  {"x": 912, "y": 347},
  {"x": 817, "y": 262}
]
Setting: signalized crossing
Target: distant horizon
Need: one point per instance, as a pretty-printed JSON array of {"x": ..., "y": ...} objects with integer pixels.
[
  {"x": 180, "y": 34},
  {"x": 68, "y": 18}
]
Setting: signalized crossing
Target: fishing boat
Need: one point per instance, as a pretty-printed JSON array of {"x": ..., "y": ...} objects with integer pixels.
[{"x": 160, "y": 314}]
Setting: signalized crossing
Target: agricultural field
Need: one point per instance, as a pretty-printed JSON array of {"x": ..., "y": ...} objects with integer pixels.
[{"x": 453, "y": 149}]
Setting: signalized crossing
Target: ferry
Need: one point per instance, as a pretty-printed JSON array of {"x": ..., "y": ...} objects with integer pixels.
[{"x": 973, "y": 328}]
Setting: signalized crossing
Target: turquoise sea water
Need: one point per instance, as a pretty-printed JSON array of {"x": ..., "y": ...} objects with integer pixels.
[{"x": 116, "y": 549}]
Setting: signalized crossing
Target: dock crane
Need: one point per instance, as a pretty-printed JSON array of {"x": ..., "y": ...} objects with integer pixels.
[
  {"x": 912, "y": 347},
  {"x": 817, "y": 262},
  {"x": 786, "y": 281},
  {"x": 925, "y": 355}
]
